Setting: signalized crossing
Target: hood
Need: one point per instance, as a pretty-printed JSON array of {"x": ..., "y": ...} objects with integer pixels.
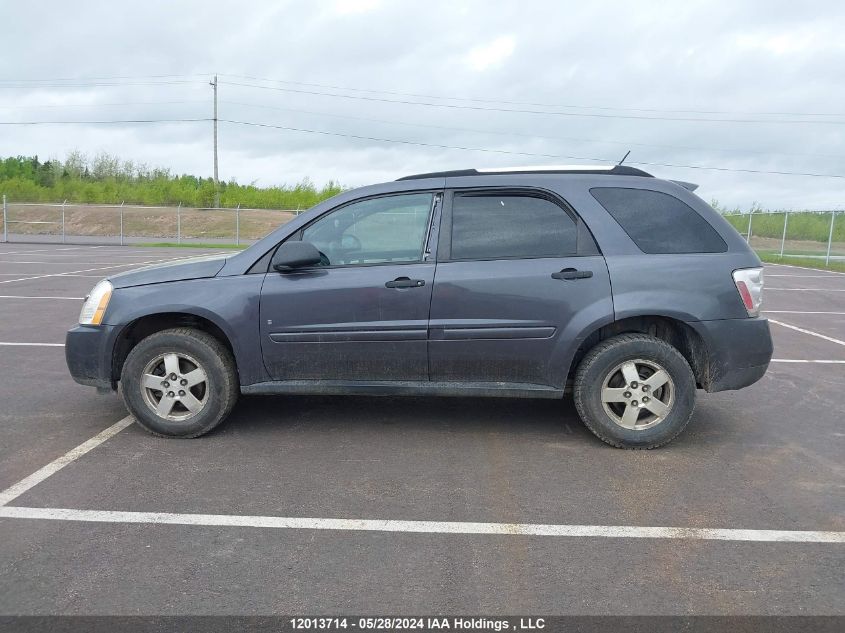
[{"x": 193, "y": 268}]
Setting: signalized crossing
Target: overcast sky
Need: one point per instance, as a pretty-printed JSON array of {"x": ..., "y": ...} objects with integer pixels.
[{"x": 587, "y": 80}]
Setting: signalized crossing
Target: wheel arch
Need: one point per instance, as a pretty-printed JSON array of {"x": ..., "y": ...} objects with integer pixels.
[
  {"x": 148, "y": 324},
  {"x": 677, "y": 333}
]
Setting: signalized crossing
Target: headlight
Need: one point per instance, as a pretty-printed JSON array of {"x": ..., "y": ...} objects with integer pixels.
[{"x": 96, "y": 303}]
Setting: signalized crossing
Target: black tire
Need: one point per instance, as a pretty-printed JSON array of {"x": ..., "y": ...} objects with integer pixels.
[
  {"x": 602, "y": 365},
  {"x": 215, "y": 397}
]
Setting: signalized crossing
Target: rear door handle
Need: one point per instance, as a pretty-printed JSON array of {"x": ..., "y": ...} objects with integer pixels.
[
  {"x": 405, "y": 282},
  {"x": 572, "y": 273}
]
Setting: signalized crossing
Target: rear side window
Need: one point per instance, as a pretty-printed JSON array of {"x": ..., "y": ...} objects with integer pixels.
[
  {"x": 659, "y": 223},
  {"x": 491, "y": 226}
]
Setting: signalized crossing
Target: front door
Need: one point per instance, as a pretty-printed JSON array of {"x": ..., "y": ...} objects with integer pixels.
[
  {"x": 515, "y": 271},
  {"x": 361, "y": 315}
]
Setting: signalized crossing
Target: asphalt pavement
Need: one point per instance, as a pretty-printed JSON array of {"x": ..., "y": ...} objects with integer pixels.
[{"x": 144, "y": 525}]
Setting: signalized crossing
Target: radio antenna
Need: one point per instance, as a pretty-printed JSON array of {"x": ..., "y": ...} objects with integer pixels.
[{"x": 623, "y": 158}]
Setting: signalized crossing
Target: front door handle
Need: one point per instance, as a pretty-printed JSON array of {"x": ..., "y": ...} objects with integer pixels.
[
  {"x": 572, "y": 273},
  {"x": 405, "y": 282}
]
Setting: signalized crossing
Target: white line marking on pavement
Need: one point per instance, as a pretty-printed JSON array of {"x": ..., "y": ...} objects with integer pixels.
[
  {"x": 56, "y": 465},
  {"x": 370, "y": 525},
  {"x": 65, "y": 275},
  {"x": 77, "y": 256},
  {"x": 25, "y": 297},
  {"x": 164, "y": 251},
  {"x": 791, "y": 360},
  {"x": 801, "y": 276},
  {"x": 47, "y": 250},
  {"x": 32, "y": 344},
  {"x": 816, "y": 270},
  {"x": 797, "y": 312},
  {"x": 425, "y": 527},
  {"x": 70, "y": 263},
  {"x": 818, "y": 289},
  {"x": 88, "y": 270},
  {"x": 810, "y": 332}
]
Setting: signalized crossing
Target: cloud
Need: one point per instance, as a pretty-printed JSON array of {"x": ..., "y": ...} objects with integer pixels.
[
  {"x": 491, "y": 55},
  {"x": 546, "y": 78},
  {"x": 780, "y": 44},
  {"x": 345, "y": 7}
]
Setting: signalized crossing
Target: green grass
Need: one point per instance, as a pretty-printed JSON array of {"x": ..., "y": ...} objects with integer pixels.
[
  {"x": 192, "y": 245},
  {"x": 806, "y": 262},
  {"x": 794, "y": 252},
  {"x": 802, "y": 225}
]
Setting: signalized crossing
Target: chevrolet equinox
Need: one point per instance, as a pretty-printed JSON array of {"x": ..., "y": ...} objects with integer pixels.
[{"x": 626, "y": 290}]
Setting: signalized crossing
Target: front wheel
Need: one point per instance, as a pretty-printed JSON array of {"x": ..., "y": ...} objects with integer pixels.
[
  {"x": 635, "y": 391},
  {"x": 179, "y": 383}
]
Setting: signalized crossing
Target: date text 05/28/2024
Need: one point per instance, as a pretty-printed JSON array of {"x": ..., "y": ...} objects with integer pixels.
[{"x": 416, "y": 624}]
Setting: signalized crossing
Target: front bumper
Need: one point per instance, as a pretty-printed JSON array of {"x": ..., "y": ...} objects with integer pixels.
[
  {"x": 88, "y": 353},
  {"x": 739, "y": 351}
]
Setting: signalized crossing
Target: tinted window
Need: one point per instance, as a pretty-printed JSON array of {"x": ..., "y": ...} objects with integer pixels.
[
  {"x": 658, "y": 222},
  {"x": 488, "y": 226},
  {"x": 389, "y": 229}
]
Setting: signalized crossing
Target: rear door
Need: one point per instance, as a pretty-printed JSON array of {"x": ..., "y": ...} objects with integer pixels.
[
  {"x": 363, "y": 314},
  {"x": 514, "y": 268}
]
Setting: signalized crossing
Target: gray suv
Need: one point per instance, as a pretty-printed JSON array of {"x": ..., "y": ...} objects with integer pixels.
[{"x": 628, "y": 290}]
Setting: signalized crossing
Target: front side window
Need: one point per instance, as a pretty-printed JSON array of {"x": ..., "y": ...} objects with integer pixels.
[
  {"x": 376, "y": 231},
  {"x": 496, "y": 226}
]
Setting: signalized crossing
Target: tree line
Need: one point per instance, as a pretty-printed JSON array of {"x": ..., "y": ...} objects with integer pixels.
[{"x": 106, "y": 179}]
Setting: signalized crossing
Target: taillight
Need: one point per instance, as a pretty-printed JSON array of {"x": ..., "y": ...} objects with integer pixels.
[{"x": 749, "y": 284}]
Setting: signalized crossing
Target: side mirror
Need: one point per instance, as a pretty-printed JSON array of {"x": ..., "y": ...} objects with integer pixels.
[{"x": 292, "y": 255}]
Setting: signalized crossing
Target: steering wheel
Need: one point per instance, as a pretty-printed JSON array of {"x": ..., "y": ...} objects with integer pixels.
[{"x": 356, "y": 246}]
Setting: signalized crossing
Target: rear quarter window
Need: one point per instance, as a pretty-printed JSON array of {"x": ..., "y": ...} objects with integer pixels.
[{"x": 659, "y": 223}]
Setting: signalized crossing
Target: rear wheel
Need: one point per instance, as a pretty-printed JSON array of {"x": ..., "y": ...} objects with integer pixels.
[
  {"x": 635, "y": 391},
  {"x": 179, "y": 383}
]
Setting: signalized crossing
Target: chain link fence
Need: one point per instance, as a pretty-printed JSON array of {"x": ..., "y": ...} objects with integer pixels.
[
  {"x": 132, "y": 224},
  {"x": 813, "y": 234},
  {"x": 810, "y": 234}
]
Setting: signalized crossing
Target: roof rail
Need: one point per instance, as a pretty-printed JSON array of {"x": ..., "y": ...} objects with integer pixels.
[{"x": 611, "y": 170}]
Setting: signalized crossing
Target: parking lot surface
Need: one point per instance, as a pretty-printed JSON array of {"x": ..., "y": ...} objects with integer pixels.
[{"x": 412, "y": 505}]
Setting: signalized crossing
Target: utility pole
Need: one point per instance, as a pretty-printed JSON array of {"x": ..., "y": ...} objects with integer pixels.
[{"x": 213, "y": 84}]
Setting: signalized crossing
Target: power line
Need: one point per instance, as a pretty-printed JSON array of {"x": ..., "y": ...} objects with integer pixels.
[
  {"x": 422, "y": 125},
  {"x": 81, "y": 79},
  {"x": 517, "y": 134},
  {"x": 103, "y": 122},
  {"x": 87, "y": 80},
  {"x": 737, "y": 170},
  {"x": 98, "y": 84},
  {"x": 97, "y": 105},
  {"x": 424, "y": 144},
  {"x": 525, "y": 111},
  {"x": 405, "y": 142},
  {"x": 529, "y": 103},
  {"x": 498, "y": 151}
]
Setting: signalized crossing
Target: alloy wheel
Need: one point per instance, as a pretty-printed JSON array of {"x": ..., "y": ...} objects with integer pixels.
[
  {"x": 175, "y": 386},
  {"x": 638, "y": 394}
]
